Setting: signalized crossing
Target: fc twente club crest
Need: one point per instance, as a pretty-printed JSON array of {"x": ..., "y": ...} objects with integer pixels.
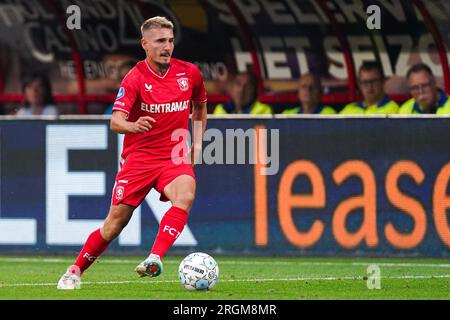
[
  {"x": 183, "y": 83},
  {"x": 119, "y": 192}
]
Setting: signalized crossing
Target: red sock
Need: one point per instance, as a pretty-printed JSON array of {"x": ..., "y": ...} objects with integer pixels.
[
  {"x": 170, "y": 228},
  {"x": 93, "y": 248}
]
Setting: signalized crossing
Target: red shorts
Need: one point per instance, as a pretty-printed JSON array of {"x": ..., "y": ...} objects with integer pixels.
[{"x": 133, "y": 183}]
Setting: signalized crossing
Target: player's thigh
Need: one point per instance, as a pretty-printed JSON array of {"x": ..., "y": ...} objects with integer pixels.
[
  {"x": 133, "y": 183},
  {"x": 181, "y": 189},
  {"x": 176, "y": 181}
]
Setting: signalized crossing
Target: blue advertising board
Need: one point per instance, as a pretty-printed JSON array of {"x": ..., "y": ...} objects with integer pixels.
[{"x": 343, "y": 187}]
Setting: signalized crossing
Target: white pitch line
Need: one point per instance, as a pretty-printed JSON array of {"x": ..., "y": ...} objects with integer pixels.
[
  {"x": 234, "y": 280},
  {"x": 236, "y": 262}
]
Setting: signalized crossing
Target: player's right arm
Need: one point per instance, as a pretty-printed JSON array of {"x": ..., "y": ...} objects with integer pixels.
[
  {"x": 120, "y": 124},
  {"x": 125, "y": 99}
]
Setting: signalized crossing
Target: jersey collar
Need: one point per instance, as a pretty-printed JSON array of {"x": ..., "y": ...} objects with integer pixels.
[
  {"x": 381, "y": 104},
  {"x": 154, "y": 73}
]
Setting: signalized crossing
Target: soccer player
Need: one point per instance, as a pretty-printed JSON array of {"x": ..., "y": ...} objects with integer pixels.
[
  {"x": 309, "y": 92},
  {"x": 244, "y": 97},
  {"x": 153, "y": 101},
  {"x": 371, "y": 82},
  {"x": 427, "y": 97}
]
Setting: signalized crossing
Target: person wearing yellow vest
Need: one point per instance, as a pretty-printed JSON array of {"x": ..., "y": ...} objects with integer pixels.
[
  {"x": 371, "y": 81},
  {"x": 427, "y": 97},
  {"x": 244, "y": 97},
  {"x": 309, "y": 92}
]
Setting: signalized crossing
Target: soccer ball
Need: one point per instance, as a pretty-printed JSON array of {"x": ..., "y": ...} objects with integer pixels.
[{"x": 198, "y": 271}]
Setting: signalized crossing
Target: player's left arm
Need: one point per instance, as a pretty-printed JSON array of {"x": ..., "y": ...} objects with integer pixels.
[{"x": 199, "y": 115}]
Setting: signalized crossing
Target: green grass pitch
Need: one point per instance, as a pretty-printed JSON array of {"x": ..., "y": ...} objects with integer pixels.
[{"x": 30, "y": 277}]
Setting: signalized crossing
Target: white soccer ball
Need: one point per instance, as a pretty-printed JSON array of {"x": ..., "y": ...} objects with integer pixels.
[{"x": 198, "y": 271}]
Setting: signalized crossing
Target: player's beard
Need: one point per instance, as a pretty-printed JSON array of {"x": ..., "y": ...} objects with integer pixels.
[{"x": 163, "y": 66}]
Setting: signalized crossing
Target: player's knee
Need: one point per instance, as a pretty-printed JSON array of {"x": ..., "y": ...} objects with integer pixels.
[
  {"x": 112, "y": 229},
  {"x": 184, "y": 200},
  {"x": 110, "y": 232}
]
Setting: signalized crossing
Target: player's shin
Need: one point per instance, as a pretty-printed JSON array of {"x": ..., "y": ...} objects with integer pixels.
[
  {"x": 170, "y": 228},
  {"x": 93, "y": 248}
]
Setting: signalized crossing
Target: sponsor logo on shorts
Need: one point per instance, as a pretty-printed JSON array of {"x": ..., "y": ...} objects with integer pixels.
[{"x": 119, "y": 192}]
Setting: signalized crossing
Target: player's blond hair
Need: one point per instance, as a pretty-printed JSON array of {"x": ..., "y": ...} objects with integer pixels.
[{"x": 156, "y": 22}]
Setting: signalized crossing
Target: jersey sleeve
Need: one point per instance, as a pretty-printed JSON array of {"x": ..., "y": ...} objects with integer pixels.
[
  {"x": 127, "y": 94},
  {"x": 199, "y": 90}
]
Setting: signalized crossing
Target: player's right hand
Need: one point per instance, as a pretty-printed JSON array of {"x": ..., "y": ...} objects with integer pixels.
[{"x": 143, "y": 124}]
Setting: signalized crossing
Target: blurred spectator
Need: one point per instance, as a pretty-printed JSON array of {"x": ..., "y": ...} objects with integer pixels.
[
  {"x": 371, "y": 82},
  {"x": 427, "y": 97},
  {"x": 122, "y": 72},
  {"x": 309, "y": 93},
  {"x": 38, "y": 99},
  {"x": 244, "y": 97}
]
